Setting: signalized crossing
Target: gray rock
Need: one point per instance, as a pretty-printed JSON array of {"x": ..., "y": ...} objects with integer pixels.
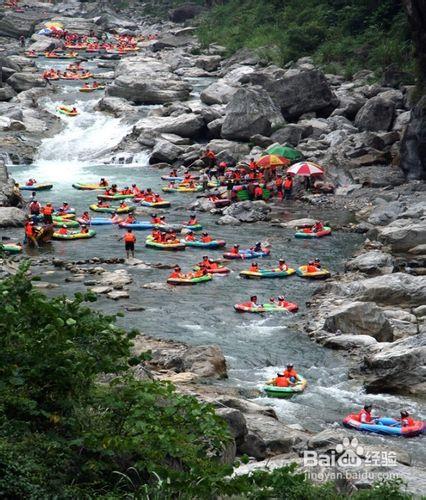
[
  {"x": 118, "y": 294},
  {"x": 101, "y": 289},
  {"x": 218, "y": 92},
  {"x": 401, "y": 121},
  {"x": 43, "y": 43},
  {"x": 14, "y": 24},
  {"x": 413, "y": 145},
  {"x": 236, "y": 422},
  {"x": 250, "y": 111},
  {"x": 165, "y": 151},
  {"x": 348, "y": 342},
  {"x": 373, "y": 262},
  {"x": 349, "y": 105},
  {"x": 385, "y": 213},
  {"x": 397, "y": 368},
  {"x": 232, "y": 149},
  {"x": 6, "y": 92},
  {"x": 208, "y": 63},
  {"x": 314, "y": 127},
  {"x": 228, "y": 220},
  {"x": 359, "y": 318},
  {"x": 376, "y": 114},
  {"x": 418, "y": 250},
  {"x": 248, "y": 211},
  {"x": 403, "y": 234},
  {"x": 184, "y": 12},
  {"x": 25, "y": 81},
  {"x": 377, "y": 176},
  {"x": 215, "y": 128},
  {"x": 186, "y": 125},
  {"x": 11, "y": 217},
  {"x": 397, "y": 289},
  {"x": 205, "y": 361},
  {"x": 115, "y": 106},
  {"x": 296, "y": 223},
  {"x": 290, "y": 134},
  {"x": 10, "y": 125},
  {"x": 296, "y": 91}
]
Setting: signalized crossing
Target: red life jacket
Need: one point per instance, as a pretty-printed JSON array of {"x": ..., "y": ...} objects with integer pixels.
[{"x": 129, "y": 238}]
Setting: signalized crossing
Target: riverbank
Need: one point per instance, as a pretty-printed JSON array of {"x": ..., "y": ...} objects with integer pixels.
[{"x": 168, "y": 104}]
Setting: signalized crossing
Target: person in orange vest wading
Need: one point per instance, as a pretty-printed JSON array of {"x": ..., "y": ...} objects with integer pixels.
[{"x": 129, "y": 243}]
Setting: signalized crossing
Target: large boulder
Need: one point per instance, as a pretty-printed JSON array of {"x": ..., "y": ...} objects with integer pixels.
[
  {"x": 361, "y": 318},
  {"x": 186, "y": 125},
  {"x": 205, "y": 361},
  {"x": 14, "y": 24},
  {"x": 396, "y": 368},
  {"x": 248, "y": 211},
  {"x": 11, "y": 217},
  {"x": 165, "y": 151},
  {"x": 115, "y": 106},
  {"x": 251, "y": 111},
  {"x": 403, "y": 234},
  {"x": 373, "y": 262},
  {"x": 226, "y": 150},
  {"x": 147, "y": 90},
  {"x": 413, "y": 146},
  {"x": 42, "y": 43},
  {"x": 385, "y": 213},
  {"x": 290, "y": 134},
  {"x": 6, "y": 92},
  {"x": 377, "y": 176},
  {"x": 25, "y": 81},
  {"x": 376, "y": 114},
  {"x": 392, "y": 289},
  {"x": 222, "y": 90},
  {"x": 296, "y": 91}
]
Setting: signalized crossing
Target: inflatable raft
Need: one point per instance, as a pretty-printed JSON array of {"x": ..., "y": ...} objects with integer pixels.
[
  {"x": 138, "y": 226},
  {"x": 74, "y": 236},
  {"x": 65, "y": 110},
  {"x": 150, "y": 243},
  {"x": 88, "y": 187},
  {"x": 97, "y": 221},
  {"x": 194, "y": 227},
  {"x": 308, "y": 233},
  {"x": 267, "y": 308},
  {"x": 60, "y": 222},
  {"x": 67, "y": 214},
  {"x": 215, "y": 270},
  {"x": 10, "y": 247},
  {"x": 267, "y": 273},
  {"x": 111, "y": 210},
  {"x": 272, "y": 391},
  {"x": 170, "y": 178},
  {"x": 182, "y": 189},
  {"x": 154, "y": 204},
  {"x": 199, "y": 244},
  {"x": 319, "y": 275},
  {"x": 189, "y": 281},
  {"x": 37, "y": 187},
  {"x": 112, "y": 197},
  {"x": 386, "y": 426},
  {"x": 247, "y": 254}
]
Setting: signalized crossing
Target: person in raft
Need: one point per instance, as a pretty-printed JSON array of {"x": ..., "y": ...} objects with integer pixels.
[
  {"x": 257, "y": 247},
  {"x": 406, "y": 420},
  {"x": 190, "y": 236},
  {"x": 312, "y": 268},
  {"x": 206, "y": 238},
  {"x": 254, "y": 268},
  {"x": 192, "y": 220},
  {"x": 364, "y": 416},
  {"x": 235, "y": 250},
  {"x": 129, "y": 243},
  {"x": 282, "y": 266},
  {"x": 177, "y": 273},
  {"x": 291, "y": 373},
  {"x": 63, "y": 230},
  {"x": 317, "y": 227},
  {"x": 253, "y": 302},
  {"x": 282, "y": 381},
  {"x": 86, "y": 216},
  {"x": 84, "y": 229}
]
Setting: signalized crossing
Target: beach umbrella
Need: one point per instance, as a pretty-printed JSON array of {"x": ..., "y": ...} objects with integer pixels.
[
  {"x": 273, "y": 161},
  {"x": 305, "y": 168},
  {"x": 285, "y": 151}
]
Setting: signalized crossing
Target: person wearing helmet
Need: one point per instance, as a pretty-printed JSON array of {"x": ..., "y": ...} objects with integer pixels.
[
  {"x": 63, "y": 230},
  {"x": 282, "y": 266},
  {"x": 103, "y": 182},
  {"x": 317, "y": 263},
  {"x": 311, "y": 267},
  {"x": 291, "y": 373},
  {"x": 257, "y": 247},
  {"x": 235, "y": 250},
  {"x": 155, "y": 219},
  {"x": 190, "y": 236},
  {"x": 281, "y": 381},
  {"x": 281, "y": 301},
  {"x": 84, "y": 229},
  {"x": 206, "y": 238},
  {"x": 254, "y": 268},
  {"x": 364, "y": 416},
  {"x": 406, "y": 420},
  {"x": 47, "y": 213},
  {"x": 205, "y": 263}
]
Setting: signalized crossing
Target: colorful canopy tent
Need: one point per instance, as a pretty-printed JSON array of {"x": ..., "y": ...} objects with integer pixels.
[
  {"x": 305, "y": 169},
  {"x": 286, "y": 152}
]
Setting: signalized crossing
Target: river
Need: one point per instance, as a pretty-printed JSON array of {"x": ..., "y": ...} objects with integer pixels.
[{"x": 255, "y": 347}]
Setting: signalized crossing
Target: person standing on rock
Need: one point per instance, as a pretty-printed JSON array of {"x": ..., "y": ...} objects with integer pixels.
[
  {"x": 129, "y": 243},
  {"x": 205, "y": 180},
  {"x": 22, "y": 41}
]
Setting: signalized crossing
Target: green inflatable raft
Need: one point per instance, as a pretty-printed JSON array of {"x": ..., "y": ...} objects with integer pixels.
[
  {"x": 272, "y": 391},
  {"x": 74, "y": 235}
]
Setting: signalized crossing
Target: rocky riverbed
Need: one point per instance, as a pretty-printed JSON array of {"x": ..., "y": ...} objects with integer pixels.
[{"x": 173, "y": 99}]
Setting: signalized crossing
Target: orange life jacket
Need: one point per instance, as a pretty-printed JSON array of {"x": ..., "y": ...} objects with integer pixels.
[
  {"x": 290, "y": 373},
  {"x": 47, "y": 210},
  {"x": 288, "y": 184},
  {"x": 206, "y": 239},
  {"x": 129, "y": 238},
  {"x": 282, "y": 382}
]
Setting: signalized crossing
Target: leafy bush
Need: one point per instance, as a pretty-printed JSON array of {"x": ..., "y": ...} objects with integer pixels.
[{"x": 354, "y": 35}]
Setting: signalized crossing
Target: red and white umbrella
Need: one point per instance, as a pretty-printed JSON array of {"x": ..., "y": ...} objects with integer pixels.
[{"x": 305, "y": 168}]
